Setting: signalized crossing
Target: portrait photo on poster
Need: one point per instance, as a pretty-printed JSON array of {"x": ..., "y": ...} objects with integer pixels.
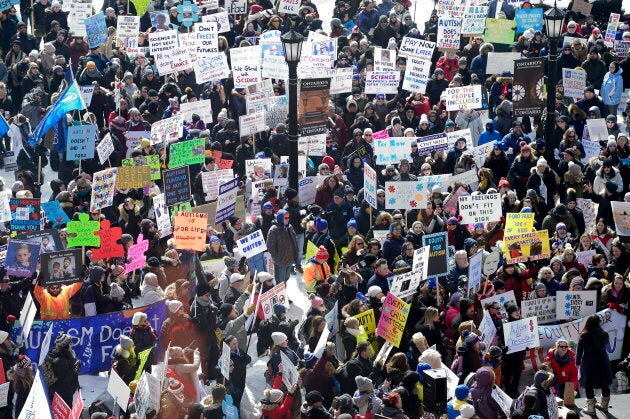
[
  {"x": 63, "y": 267},
  {"x": 22, "y": 258}
]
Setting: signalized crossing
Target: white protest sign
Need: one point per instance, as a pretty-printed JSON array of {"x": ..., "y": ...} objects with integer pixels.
[
  {"x": 207, "y": 40},
  {"x": 4, "y": 393},
  {"x": 420, "y": 260},
  {"x": 574, "y": 82},
  {"x": 252, "y": 244},
  {"x": 370, "y": 184},
  {"x": 405, "y": 195},
  {"x": 313, "y": 145},
  {"x": 481, "y": 152},
  {"x": 188, "y": 41},
  {"x": 169, "y": 62},
  {"x": 76, "y": 17},
  {"x": 162, "y": 217},
  {"x": 246, "y": 70},
  {"x": 210, "y": 181},
  {"x": 406, "y": 284},
  {"x": 86, "y": 93},
  {"x": 480, "y": 208},
  {"x": 104, "y": 149},
  {"x": 236, "y": 7},
  {"x": 475, "y": 264},
  {"x": 501, "y": 299},
  {"x": 290, "y": 7},
  {"x": 224, "y": 361},
  {"x": 467, "y": 178},
  {"x": 591, "y": 149},
  {"x": 226, "y": 200},
  {"x": 163, "y": 42},
  {"x": 321, "y": 343},
  {"x": 127, "y": 26},
  {"x": 289, "y": 372},
  {"x": 597, "y": 130},
  {"x": 465, "y": 97},
  {"x": 203, "y": 108},
  {"x": 521, "y": 334},
  {"x": 256, "y": 102},
  {"x": 211, "y": 68},
  {"x": 491, "y": 263},
  {"x": 575, "y": 304},
  {"x": 276, "y": 295},
  {"x": 503, "y": 400},
  {"x": 488, "y": 329},
  {"x": 252, "y": 163},
  {"x": 498, "y": 62},
  {"x": 416, "y": 75},
  {"x": 381, "y": 235},
  {"x": 448, "y": 35},
  {"x": 585, "y": 257},
  {"x": 36, "y": 404},
  {"x": 431, "y": 143},
  {"x": 147, "y": 394},
  {"x": 474, "y": 21},
  {"x": 419, "y": 48},
  {"x": 169, "y": 127},
  {"x": 307, "y": 189},
  {"x": 222, "y": 19},
  {"x": 252, "y": 123},
  {"x": 275, "y": 67},
  {"x": 384, "y": 59},
  {"x": 340, "y": 80},
  {"x": 117, "y": 388},
  {"x": 382, "y": 82},
  {"x": 544, "y": 309},
  {"x": 391, "y": 150}
]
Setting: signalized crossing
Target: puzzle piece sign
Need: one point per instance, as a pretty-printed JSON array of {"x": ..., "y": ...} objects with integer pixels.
[
  {"x": 55, "y": 213},
  {"x": 110, "y": 248},
  {"x": 136, "y": 255},
  {"x": 187, "y": 13},
  {"x": 82, "y": 232}
]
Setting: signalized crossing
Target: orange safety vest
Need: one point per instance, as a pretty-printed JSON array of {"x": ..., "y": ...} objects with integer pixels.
[{"x": 56, "y": 308}]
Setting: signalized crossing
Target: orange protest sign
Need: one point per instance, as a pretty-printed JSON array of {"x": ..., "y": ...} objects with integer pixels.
[{"x": 189, "y": 230}]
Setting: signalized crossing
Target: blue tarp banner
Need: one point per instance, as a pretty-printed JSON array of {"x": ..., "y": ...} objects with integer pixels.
[{"x": 94, "y": 338}]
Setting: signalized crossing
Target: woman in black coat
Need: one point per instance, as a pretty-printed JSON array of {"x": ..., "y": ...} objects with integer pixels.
[
  {"x": 592, "y": 359},
  {"x": 543, "y": 180}
]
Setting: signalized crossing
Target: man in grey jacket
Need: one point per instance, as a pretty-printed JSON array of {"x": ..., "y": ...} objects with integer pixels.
[{"x": 282, "y": 246}]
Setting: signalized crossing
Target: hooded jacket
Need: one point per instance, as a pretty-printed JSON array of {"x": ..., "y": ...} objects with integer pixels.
[
  {"x": 281, "y": 242},
  {"x": 612, "y": 87},
  {"x": 481, "y": 392}
]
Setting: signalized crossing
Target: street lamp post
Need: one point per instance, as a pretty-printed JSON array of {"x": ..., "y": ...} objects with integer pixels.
[
  {"x": 292, "y": 45},
  {"x": 554, "y": 19}
]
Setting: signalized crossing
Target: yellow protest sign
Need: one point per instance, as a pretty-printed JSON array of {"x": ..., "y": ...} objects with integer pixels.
[
  {"x": 519, "y": 223},
  {"x": 129, "y": 177},
  {"x": 368, "y": 321},
  {"x": 142, "y": 360},
  {"x": 521, "y": 247},
  {"x": 499, "y": 31}
]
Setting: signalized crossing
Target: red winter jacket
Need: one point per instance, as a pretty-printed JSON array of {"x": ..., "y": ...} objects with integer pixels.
[
  {"x": 566, "y": 373},
  {"x": 284, "y": 410}
]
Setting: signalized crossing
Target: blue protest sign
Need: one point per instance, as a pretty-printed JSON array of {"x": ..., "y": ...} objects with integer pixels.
[
  {"x": 187, "y": 13},
  {"x": 529, "y": 18},
  {"x": 80, "y": 142},
  {"x": 55, "y": 213},
  {"x": 93, "y": 338},
  {"x": 96, "y": 30},
  {"x": 7, "y": 4}
]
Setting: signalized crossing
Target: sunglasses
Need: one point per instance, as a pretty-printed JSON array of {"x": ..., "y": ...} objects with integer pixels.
[{"x": 563, "y": 346}]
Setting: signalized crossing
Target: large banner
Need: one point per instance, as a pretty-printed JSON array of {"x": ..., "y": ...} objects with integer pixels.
[
  {"x": 313, "y": 105},
  {"x": 93, "y": 338},
  {"x": 528, "y": 89}
]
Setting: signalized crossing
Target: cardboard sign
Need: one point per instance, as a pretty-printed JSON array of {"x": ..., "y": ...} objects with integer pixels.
[
  {"x": 528, "y": 18},
  {"x": 226, "y": 201},
  {"x": 575, "y": 304},
  {"x": 25, "y": 214},
  {"x": 80, "y": 142},
  {"x": 392, "y": 150},
  {"x": 499, "y": 31},
  {"x": 465, "y": 97},
  {"x": 81, "y": 232},
  {"x": 438, "y": 255},
  {"x": 63, "y": 267},
  {"x": 189, "y": 231},
  {"x": 391, "y": 324},
  {"x": 582, "y": 6},
  {"x": 130, "y": 177},
  {"x": 276, "y": 295},
  {"x": 103, "y": 187},
  {"x": 574, "y": 82},
  {"x": 474, "y": 21},
  {"x": 176, "y": 185},
  {"x": 544, "y": 309},
  {"x": 449, "y": 29},
  {"x": 252, "y": 244},
  {"x": 521, "y": 334},
  {"x": 22, "y": 258},
  {"x": 416, "y": 74},
  {"x": 480, "y": 208},
  {"x": 475, "y": 264}
]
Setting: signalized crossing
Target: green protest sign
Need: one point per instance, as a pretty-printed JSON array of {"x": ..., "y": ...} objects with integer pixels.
[
  {"x": 187, "y": 152},
  {"x": 81, "y": 232},
  {"x": 499, "y": 31}
]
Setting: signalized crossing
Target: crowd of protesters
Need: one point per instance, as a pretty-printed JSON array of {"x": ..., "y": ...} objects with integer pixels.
[{"x": 351, "y": 268}]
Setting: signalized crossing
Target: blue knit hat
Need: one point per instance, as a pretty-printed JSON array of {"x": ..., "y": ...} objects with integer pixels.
[
  {"x": 422, "y": 366},
  {"x": 267, "y": 206},
  {"x": 309, "y": 359},
  {"x": 279, "y": 309},
  {"x": 461, "y": 392},
  {"x": 321, "y": 224},
  {"x": 353, "y": 223}
]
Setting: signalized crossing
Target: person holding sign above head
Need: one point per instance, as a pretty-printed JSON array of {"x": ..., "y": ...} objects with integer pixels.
[{"x": 54, "y": 300}]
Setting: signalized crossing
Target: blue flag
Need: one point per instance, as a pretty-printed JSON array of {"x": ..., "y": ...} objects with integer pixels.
[
  {"x": 4, "y": 127},
  {"x": 70, "y": 100}
]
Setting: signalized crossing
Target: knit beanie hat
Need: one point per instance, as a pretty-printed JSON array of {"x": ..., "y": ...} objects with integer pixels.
[
  {"x": 278, "y": 338},
  {"x": 273, "y": 395},
  {"x": 279, "y": 309},
  {"x": 461, "y": 392},
  {"x": 126, "y": 342},
  {"x": 322, "y": 254},
  {"x": 96, "y": 274},
  {"x": 138, "y": 318},
  {"x": 174, "y": 306},
  {"x": 321, "y": 224},
  {"x": 363, "y": 383},
  {"x": 309, "y": 359},
  {"x": 62, "y": 341},
  {"x": 23, "y": 361}
]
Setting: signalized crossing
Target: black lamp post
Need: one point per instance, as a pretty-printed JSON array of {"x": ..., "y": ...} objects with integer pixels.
[
  {"x": 554, "y": 19},
  {"x": 292, "y": 44}
]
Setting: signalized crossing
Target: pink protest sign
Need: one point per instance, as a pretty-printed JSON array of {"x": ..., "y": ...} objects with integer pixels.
[
  {"x": 136, "y": 255},
  {"x": 380, "y": 134}
]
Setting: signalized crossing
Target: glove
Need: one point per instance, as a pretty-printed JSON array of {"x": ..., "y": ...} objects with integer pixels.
[
  {"x": 250, "y": 310},
  {"x": 510, "y": 150}
]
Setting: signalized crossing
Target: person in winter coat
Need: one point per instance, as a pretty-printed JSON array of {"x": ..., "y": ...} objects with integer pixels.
[
  {"x": 513, "y": 363},
  {"x": 504, "y": 119},
  {"x": 354, "y": 172},
  {"x": 607, "y": 173},
  {"x": 468, "y": 357},
  {"x": 561, "y": 358},
  {"x": 143, "y": 335},
  {"x": 182, "y": 369},
  {"x": 481, "y": 394},
  {"x": 544, "y": 181},
  {"x": 612, "y": 87},
  {"x": 453, "y": 155},
  {"x": 560, "y": 214},
  {"x": 479, "y": 63},
  {"x": 541, "y": 390},
  {"x": 393, "y": 406},
  {"x": 316, "y": 376},
  {"x": 21, "y": 376},
  {"x": 436, "y": 85},
  {"x": 61, "y": 369},
  {"x": 368, "y": 18},
  {"x": 595, "y": 69},
  {"x": 592, "y": 359},
  {"x": 125, "y": 359},
  {"x": 282, "y": 245}
]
